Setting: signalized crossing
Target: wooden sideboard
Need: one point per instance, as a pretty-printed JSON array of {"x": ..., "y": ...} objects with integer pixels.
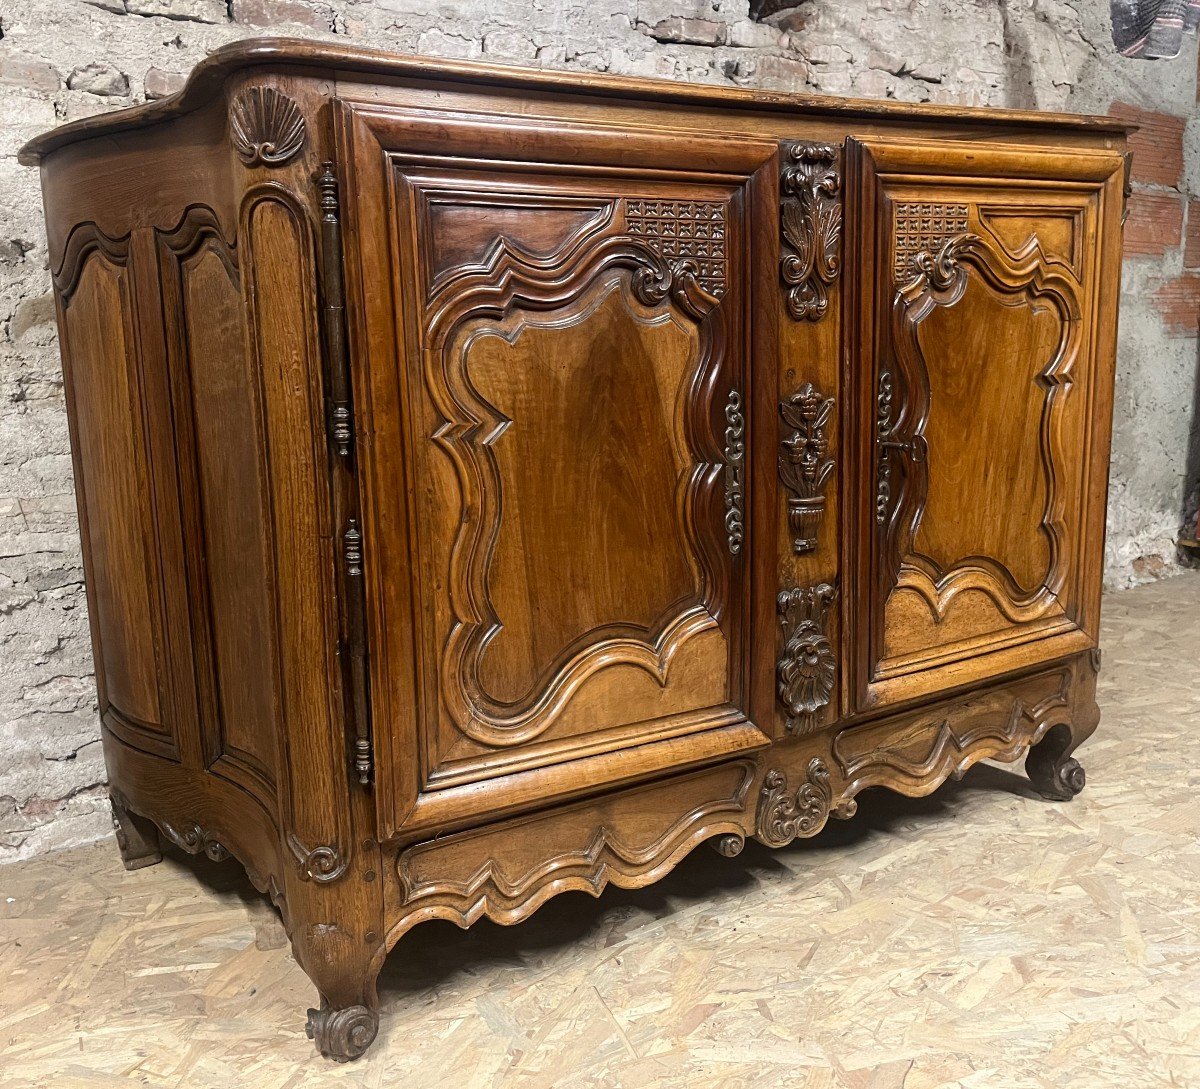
[{"x": 495, "y": 483}]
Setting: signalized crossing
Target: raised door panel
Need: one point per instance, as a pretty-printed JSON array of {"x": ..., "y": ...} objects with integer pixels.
[
  {"x": 219, "y": 425},
  {"x": 99, "y": 333},
  {"x": 568, "y": 358},
  {"x": 988, "y": 390}
]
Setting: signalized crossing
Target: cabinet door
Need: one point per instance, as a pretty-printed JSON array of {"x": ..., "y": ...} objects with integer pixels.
[
  {"x": 983, "y": 360},
  {"x": 558, "y": 421}
]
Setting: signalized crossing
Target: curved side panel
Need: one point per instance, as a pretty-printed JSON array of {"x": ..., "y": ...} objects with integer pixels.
[{"x": 104, "y": 395}]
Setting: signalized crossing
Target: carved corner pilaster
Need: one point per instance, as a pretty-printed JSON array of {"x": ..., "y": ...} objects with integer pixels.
[
  {"x": 811, "y": 223},
  {"x": 266, "y": 127},
  {"x": 807, "y": 666},
  {"x": 804, "y": 463}
]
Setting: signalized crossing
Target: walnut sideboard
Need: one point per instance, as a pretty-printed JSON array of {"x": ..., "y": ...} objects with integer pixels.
[{"x": 495, "y": 483}]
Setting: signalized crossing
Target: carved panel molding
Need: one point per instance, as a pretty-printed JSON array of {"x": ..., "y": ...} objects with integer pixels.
[
  {"x": 509, "y": 283},
  {"x": 903, "y": 405},
  {"x": 936, "y": 745},
  {"x": 811, "y": 222},
  {"x": 266, "y": 127},
  {"x": 507, "y": 870},
  {"x": 807, "y": 667},
  {"x": 804, "y": 462}
]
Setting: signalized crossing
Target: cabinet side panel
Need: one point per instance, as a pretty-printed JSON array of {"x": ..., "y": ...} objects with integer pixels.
[
  {"x": 99, "y": 357},
  {"x": 226, "y": 417}
]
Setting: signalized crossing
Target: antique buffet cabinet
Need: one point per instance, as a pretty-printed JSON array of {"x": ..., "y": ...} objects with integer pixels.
[{"x": 495, "y": 483}]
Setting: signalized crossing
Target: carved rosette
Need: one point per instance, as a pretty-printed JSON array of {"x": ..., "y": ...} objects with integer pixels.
[
  {"x": 811, "y": 222},
  {"x": 804, "y": 464},
  {"x": 784, "y": 815},
  {"x": 807, "y": 666},
  {"x": 266, "y": 127},
  {"x": 735, "y": 459},
  {"x": 342, "y": 1034}
]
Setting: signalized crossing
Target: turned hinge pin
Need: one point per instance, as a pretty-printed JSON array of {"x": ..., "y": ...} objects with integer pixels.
[
  {"x": 352, "y": 555},
  {"x": 339, "y": 411}
]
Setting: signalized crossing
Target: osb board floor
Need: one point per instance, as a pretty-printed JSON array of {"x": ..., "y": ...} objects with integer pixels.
[{"x": 979, "y": 937}]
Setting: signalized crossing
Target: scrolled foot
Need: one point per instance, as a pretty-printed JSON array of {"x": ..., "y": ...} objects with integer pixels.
[
  {"x": 342, "y": 1034},
  {"x": 137, "y": 837},
  {"x": 730, "y": 845},
  {"x": 1054, "y": 774}
]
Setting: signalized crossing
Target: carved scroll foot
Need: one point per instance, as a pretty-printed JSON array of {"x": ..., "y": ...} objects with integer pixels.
[
  {"x": 342, "y": 1034},
  {"x": 137, "y": 837},
  {"x": 730, "y": 845},
  {"x": 1054, "y": 773}
]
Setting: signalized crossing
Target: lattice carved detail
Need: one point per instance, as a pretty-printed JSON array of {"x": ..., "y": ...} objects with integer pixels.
[
  {"x": 922, "y": 228},
  {"x": 683, "y": 230}
]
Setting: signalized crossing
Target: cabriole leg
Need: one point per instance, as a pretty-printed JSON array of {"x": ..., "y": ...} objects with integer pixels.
[
  {"x": 1053, "y": 771},
  {"x": 137, "y": 837},
  {"x": 343, "y": 959}
]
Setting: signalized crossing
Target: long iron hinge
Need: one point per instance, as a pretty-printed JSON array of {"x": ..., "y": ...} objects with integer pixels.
[
  {"x": 340, "y": 424},
  {"x": 352, "y": 554},
  {"x": 339, "y": 411}
]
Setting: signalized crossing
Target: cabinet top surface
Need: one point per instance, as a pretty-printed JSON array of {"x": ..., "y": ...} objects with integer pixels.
[{"x": 356, "y": 64}]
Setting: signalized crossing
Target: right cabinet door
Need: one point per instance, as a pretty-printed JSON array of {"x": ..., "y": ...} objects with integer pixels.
[{"x": 980, "y": 358}]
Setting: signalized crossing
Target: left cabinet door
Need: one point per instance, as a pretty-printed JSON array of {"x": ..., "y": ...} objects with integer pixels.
[{"x": 550, "y": 327}]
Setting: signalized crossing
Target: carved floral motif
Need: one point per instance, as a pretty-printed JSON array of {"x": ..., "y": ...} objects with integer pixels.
[
  {"x": 807, "y": 666},
  {"x": 804, "y": 464},
  {"x": 811, "y": 221}
]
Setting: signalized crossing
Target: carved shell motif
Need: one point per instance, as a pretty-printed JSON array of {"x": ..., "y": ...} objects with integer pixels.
[
  {"x": 807, "y": 667},
  {"x": 266, "y": 127}
]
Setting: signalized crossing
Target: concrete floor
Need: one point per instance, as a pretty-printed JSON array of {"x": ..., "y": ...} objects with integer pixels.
[{"x": 978, "y": 937}]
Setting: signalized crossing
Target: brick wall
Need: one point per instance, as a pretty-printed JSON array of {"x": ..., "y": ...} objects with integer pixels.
[{"x": 64, "y": 59}]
